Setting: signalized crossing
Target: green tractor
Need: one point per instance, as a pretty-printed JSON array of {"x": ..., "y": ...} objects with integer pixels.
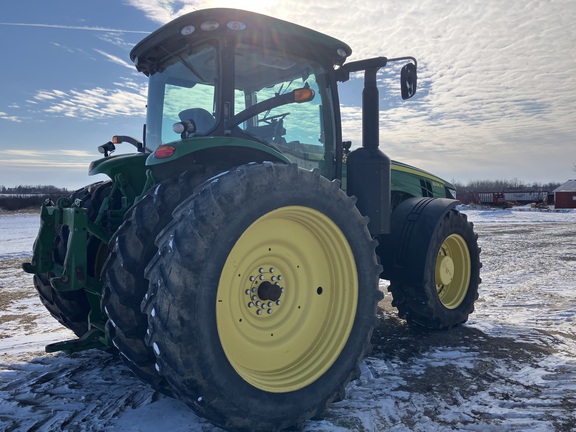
[{"x": 233, "y": 261}]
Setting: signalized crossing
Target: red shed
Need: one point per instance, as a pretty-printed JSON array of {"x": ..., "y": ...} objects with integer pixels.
[{"x": 565, "y": 195}]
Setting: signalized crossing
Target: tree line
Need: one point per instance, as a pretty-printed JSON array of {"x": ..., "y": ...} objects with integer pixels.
[
  {"x": 513, "y": 185},
  {"x": 25, "y": 197},
  {"x": 38, "y": 189}
]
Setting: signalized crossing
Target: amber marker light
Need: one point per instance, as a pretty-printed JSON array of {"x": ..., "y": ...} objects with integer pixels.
[
  {"x": 303, "y": 95},
  {"x": 164, "y": 152}
]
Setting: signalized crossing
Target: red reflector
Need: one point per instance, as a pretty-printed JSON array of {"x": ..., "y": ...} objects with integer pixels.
[{"x": 164, "y": 152}]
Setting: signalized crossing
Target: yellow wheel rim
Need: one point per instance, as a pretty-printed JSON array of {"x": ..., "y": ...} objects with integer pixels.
[
  {"x": 453, "y": 271},
  {"x": 287, "y": 299}
]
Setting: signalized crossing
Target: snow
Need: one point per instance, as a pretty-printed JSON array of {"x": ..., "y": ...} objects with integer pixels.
[
  {"x": 17, "y": 233},
  {"x": 512, "y": 367}
]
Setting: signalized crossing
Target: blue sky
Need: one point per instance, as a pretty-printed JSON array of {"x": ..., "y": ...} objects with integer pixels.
[{"x": 496, "y": 96}]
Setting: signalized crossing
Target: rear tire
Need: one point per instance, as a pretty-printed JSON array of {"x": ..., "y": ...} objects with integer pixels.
[
  {"x": 445, "y": 295},
  {"x": 132, "y": 247},
  {"x": 71, "y": 308},
  {"x": 263, "y": 297}
]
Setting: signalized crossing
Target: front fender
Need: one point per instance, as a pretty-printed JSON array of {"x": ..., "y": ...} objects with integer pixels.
[
  {"x": 131, "y": 166},
  {"x": 412, "y": 226}
]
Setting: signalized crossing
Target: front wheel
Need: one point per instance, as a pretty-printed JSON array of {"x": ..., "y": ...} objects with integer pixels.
[
  {"x": 449, "y": 275},
  {"x": 263, "y": 297}
]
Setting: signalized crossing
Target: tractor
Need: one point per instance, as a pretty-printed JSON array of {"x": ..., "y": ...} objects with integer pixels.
[{"x": 233, "y": 259}]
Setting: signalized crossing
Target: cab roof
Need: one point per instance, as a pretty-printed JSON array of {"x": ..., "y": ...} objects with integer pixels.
[{"x": 246, "y": 27}]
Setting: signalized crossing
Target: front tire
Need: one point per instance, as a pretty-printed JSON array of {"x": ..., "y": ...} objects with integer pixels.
[
  {"x": 445, "y": 294},
  {"x": 263, "y": 297}
]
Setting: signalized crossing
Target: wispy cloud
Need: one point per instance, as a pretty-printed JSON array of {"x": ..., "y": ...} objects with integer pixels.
[
  {"x": 115, "y": 59},
  {"x": 128, "y": 99},
  {"x": 12, "y": 118},
  {"x": 163, "y": 11},
  {"x": 67, "y": 27},
  {"x": 55, "y": 158}
]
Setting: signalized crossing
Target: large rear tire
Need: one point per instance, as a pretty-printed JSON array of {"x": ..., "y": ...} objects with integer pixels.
[
  {"x": 71, "y": 308},
  {"x": 132, "y": 247},
  {"x": 263, "y": 297},
  {"x": 445, "y": 295}
]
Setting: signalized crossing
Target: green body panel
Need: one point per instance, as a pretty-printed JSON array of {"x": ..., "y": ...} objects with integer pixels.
[
  {"x": 186, "y": 147},
  {"x": 409, "y": 180},
  {"x": 129, "y": 168}
]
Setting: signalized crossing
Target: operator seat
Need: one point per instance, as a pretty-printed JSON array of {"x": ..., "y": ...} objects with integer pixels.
[{"x": 203, "y": 120}]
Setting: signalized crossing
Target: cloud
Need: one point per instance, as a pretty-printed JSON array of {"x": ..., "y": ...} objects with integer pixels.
[
  {"x": 162, "y": 11},
  {"x": 15, "y": 119},
  {"x": 66, "y": 27},
  {"x": 496, "y": 80},
  {"x": 115, "y": 59},
  {"x": 55, "y": 158},
  {"x": 128, "y": 98}
]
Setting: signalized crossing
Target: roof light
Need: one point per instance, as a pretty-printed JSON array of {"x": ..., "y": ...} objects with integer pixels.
[
  {"x": 236, "y": 25},
  {"x": 210, "y": 25},
  {"x": 164, "y": 152},
  {"x": 342, "y": 53},
  {"x": 188, "y": 30}
]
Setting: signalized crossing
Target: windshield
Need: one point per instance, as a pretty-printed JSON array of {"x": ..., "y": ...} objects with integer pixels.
[
  {"x": 184, "y": 90},
  {"x": 294, "y": 129}
]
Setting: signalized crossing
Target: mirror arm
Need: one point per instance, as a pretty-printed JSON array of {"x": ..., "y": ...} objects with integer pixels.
[
  {"x": 343, "y": 73},
  {"x": 404, "y": 59}
]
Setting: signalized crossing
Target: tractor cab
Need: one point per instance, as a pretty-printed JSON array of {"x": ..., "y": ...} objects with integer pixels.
[{"x": 254, "y": 87}]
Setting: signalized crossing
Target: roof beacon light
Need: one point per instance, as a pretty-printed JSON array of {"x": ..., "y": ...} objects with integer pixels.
[
  {"x": 210, "y": 25},
  {"x": 188, "y": 30},
  {"x": 236, "y": 25}
]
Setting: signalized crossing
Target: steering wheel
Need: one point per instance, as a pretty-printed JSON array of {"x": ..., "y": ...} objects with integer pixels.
[{"x": 278, "y": 117}]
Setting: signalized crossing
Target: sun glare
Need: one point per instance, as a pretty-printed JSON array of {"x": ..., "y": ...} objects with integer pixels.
[{"x": 251, "y": 5}]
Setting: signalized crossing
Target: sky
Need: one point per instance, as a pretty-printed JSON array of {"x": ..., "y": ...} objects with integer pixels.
[{"x": 496, "y": 82}]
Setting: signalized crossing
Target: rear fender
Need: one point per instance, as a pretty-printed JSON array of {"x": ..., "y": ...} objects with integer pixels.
[
  {"x": 209, "y": 151},
  {"x": 413, "y": 223}
]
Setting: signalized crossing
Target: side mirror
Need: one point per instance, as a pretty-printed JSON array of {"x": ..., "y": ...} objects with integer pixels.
[{"x": 408, "y": 80}]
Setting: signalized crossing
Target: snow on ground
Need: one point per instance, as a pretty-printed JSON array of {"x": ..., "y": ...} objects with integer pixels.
[{"x": 512, "y": 367}]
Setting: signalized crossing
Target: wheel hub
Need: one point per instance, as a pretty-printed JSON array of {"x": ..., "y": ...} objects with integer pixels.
[
  {"x": 267, "y": 291},
  {"x": 453, "y": 271},
  {"x": 264, "y": 291},
  {"x": 445, "y": 270}
]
